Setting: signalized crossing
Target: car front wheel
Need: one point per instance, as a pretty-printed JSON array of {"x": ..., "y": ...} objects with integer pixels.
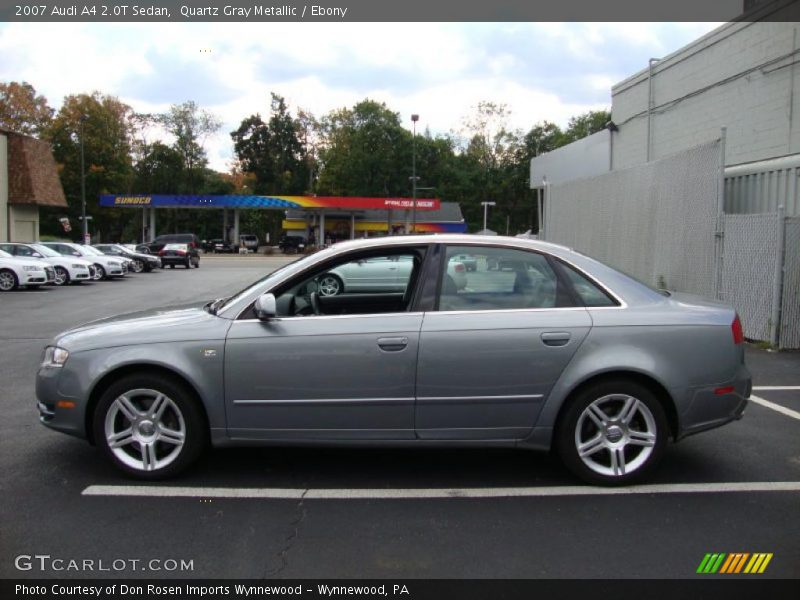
[
  {"x": 138, "y": 266},
  {"x": 62, "y": 276},
  {"x": 613, "y": 433},
  {"x": 329, "y": 285},
  {"x": 8, "y": 280},
  {"x": 99, "y": 272},
  {"x": 149, "y": 426}
]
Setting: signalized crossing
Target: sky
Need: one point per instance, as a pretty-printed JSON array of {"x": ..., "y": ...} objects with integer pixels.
[{"x": 541, "y": 71}]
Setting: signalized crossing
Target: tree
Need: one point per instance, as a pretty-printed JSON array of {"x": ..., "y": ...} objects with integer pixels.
[
  {"x": 22, "y": 110},
  {"x": 586, "y": 124},
  {"x": 107, "y": 133},
  {"x": 273, "y": 151},
  {"x": 191, "y": 126},
  {"x": 366, "y": 152}
]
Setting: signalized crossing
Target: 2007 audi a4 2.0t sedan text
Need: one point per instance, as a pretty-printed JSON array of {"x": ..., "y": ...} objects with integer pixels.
[{"x": 553, "y": 350}]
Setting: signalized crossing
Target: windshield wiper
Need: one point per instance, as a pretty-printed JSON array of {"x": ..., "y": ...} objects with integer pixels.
[{"x": 215, "y": 305}]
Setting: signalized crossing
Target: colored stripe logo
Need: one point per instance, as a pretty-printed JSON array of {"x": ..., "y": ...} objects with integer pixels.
[{"x": 734, "y": 563}]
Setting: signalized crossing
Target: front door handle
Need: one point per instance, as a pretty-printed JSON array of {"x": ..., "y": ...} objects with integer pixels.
[
  {"x": 392, "y": 344},
  {"x": 556, "y": 338}
]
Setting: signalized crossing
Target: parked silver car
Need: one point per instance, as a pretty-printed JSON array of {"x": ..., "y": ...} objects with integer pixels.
[{"x": 556, "y": 351}]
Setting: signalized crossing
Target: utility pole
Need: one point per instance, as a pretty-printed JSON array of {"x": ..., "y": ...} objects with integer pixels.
[
  {"x": 85, "y": 228},
  {"x": 486, "y": 206},
  {"x": 414, "y": 119}
]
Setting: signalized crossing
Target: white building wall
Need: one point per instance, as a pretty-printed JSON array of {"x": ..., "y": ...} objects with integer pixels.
[{"x": 742, "y": 76}]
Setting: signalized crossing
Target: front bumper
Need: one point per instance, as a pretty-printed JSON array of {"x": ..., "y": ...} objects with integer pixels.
[
  {"x": 51, "y": 414},
  {"x": 709, "y": 408}
]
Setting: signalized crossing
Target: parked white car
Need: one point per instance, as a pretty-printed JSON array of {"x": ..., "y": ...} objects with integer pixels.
[
  {"x": 105, "y": 266},
  {"x": 68, "y": 269},
  {"x": 380, "y": 274},
  {"x": 16, "y": 272}
]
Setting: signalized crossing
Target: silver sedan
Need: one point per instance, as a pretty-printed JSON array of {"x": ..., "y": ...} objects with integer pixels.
[{"x": 552, "y": 351}]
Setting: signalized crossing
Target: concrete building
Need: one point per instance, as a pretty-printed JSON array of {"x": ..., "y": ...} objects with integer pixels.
[
  {"x": 28, "y": 179},
  {"x": 744, "y": 77}
]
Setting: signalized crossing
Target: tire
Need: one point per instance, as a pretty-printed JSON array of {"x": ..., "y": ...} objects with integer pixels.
[
  {"x": 188, "y": 263},
  {"x": 8, "y": 280},
  {"x": 172, "y": 266},
  {"x": 329, "y": 285},
  {"x": 138, "y": 266},
  {"x": 149, "y": 445},
  {"x": 197, "y": 264},
  {"x": 62, "y": 276},
  {"x": 99, "y": 273},
  {"x": 622, "y": 428}
]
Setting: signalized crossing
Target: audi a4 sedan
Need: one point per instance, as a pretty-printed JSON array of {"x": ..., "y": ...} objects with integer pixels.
[{"x": 554, "y": 352}]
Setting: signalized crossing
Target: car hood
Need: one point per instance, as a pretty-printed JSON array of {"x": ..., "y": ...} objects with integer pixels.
[
  {"x": 160, "y": 325},
  {"x": 24, "y": 262}
]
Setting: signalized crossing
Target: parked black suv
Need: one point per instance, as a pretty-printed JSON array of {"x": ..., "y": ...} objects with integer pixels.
[{"x": 189, "y": 239}]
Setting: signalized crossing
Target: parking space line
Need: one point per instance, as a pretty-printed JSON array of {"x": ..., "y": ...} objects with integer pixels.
[
  {"x": 759, "y": 388},
  {"x": 776, "y": 407},
  {"x": 422, "y": 493}
]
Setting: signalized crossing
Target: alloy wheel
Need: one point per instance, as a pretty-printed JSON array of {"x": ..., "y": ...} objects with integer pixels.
[
  {"x": 62, "y": 277},
  {"x": 615, "y": 435},
  {"x": 145, "y": 429},
  {"x": 329, "y": 285},
  {"x": 7, "y": 281}
]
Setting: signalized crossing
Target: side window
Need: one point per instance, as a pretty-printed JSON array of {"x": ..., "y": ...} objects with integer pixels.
[
  {"x": 366, "y": 285},
  {"x": 588, "y": 291},
  {"x": 23, "y": 251},
  {"x": 7, "y": 248},
  {"x": 479, "y": 278}
]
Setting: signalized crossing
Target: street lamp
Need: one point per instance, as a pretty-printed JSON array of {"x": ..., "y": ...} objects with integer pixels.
[
  {"x": 414, "y": 119},
  {"x": 486, "y": 206},
  {"x": 84, "y": 118}
]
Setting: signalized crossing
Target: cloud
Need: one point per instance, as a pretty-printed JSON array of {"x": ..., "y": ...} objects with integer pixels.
[{"x": 542, "y": 71}]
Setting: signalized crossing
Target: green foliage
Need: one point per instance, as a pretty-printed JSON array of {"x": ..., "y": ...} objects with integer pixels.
[
  {"x": 366, "y": 152},
  {"x": 106, "y": 130},
  {"x": 190, "y": 125}
]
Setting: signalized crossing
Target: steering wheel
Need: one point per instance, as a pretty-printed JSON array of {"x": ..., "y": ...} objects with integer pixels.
[{"x": 313, "y": 298}]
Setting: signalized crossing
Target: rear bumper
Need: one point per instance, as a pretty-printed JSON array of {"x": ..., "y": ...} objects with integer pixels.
[{"x": 716, "y": 405}]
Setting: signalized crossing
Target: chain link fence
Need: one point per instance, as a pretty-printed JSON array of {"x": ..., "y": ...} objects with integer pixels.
[
  {"x": 790, "y": 305},
  {"x": 748, "y": 270},
  {"x": 655, "y": 221}
]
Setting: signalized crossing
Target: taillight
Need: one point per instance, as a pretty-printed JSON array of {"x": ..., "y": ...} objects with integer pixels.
[
  {"x": 736, "y": 329},
  {"x": 458, "y": 268}
]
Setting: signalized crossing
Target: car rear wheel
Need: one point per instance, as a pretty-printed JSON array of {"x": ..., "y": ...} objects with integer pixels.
[
  {"x": 613, "y": 433},
  {"x": 62, "y": 276},
  {"x": 150, "y": 426},
  {"x": 329, "y": 285},
  {"x": 8, "y": 280}
]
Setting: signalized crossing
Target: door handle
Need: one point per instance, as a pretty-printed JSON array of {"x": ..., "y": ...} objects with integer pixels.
[
  {"x": 393, "y": 344},
  {"x": 556, "y": 338}
]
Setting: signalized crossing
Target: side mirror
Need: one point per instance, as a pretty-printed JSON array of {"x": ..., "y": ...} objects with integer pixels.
[
  {"x": 265, "y": 307},
  {"x": 36, "y": 255}
]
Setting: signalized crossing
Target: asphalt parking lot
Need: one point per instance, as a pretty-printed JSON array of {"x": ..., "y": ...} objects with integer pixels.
[{"x": 283, "y": 512}]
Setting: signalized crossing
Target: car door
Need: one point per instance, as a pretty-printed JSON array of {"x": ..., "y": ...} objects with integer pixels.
[
  {"x": 491, "y": 352},
  {"x": 348, "y": 376}
]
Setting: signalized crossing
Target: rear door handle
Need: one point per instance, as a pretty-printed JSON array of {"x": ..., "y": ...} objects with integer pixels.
[
  {"x": 392, "y": 344},
  {"x": 556, "y": 338}
]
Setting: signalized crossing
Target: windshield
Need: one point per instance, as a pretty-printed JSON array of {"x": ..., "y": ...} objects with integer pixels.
[
  {"x": 90, "y": 250},
  {"x": 45, "y": 251}
]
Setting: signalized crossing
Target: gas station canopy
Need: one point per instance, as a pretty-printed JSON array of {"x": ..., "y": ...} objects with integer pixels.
[{"x": 266, "y": 202}]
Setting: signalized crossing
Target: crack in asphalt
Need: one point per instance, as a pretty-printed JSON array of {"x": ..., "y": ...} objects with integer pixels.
[{"x": 300, "y": 515}]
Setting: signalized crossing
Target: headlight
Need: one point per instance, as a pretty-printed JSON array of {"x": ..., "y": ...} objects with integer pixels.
[
  {"x": 79, "y": 266},
  {"x": 114, "y": 263},
  {"x": 30, "y": 268},
  {"x": 54, "y": 357}
]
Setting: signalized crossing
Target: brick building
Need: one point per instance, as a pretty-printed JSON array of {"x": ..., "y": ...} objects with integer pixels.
[{"x": 28, "y": 179}]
